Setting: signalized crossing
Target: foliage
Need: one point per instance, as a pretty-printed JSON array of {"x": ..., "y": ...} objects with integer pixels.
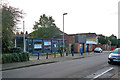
[
  {"x": 15, "y": 57},
  {"x": 106, "y": 40},
  {"x": 45, "y": 28},
  {"x": 10, "y": 17},
  {"x": 113, "y": 39},
  {"x": 102, "y": 39},
  {"x": 16, "y": 50}
]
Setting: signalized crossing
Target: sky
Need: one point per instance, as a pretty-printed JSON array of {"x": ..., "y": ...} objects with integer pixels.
[{"x": 84, "y": 16}]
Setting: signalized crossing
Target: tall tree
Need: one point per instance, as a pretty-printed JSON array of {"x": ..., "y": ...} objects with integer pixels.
[
  {"x": 102, "y": 39},
  {"x": 10, "y": 17},
  {"x": 106, "y": 40},
  {"x": 113, "y": 39},
  {"x": 45, "y": 28}
]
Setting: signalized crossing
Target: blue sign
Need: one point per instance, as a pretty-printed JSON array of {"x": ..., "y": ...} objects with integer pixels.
[{"x": 37, "y": 46}]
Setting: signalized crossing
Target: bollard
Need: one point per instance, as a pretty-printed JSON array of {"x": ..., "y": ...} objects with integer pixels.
[
  {"x": 67, "y": 53},
  {"x": 55, "y": 55},
  {"x": 47, "y": 56},
  {"x": 72, "y": 53},
  {"x": 61, "y": 53},
  {"x": 81, "y": 53},
  {"x": 38, "y": 56}
]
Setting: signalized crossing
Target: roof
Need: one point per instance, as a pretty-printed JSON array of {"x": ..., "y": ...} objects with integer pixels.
[
  {"x": 81, "y": 34},
  {"x": 91, "y": 42}
]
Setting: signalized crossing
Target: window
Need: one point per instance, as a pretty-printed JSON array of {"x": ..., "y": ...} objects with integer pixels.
[
  {"x": 55, "y": 45},
  {"x": 37, "y": 46},
  {"x": 116, "y": 51},
  {"x": 47, "y": 45},
  {"x": 90, "y": 46}
]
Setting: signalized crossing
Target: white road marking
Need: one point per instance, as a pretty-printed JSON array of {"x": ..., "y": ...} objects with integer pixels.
[{"x": 103, "y": 73}]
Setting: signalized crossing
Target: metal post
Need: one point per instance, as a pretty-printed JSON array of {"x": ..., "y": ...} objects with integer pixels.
[
  {"x": 15, "y": 38},
  {"x": 24, "y": 37},
  {"x": 72, "y": 53},
  {"x": 61, "y": 53},
  {"x": 54, "y": 54},
  {"x": 38, "y": 56},
  {"x": 47, "y": 56},
  {"x": 67, "y": 53},
  {"x": 63, "y": 32}
]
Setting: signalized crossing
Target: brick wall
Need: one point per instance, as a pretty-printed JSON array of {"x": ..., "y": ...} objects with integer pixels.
[
  {"x": 84, "y": 47},
  {"x": 76, "y": 47}
]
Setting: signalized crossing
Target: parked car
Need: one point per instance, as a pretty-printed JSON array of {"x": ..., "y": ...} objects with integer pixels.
[
  {"x": 98, "y": 49},
  {"x": 114, "y": 56}
]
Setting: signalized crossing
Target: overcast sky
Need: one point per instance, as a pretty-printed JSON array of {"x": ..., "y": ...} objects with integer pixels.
[{"x": 99, "y": 16}]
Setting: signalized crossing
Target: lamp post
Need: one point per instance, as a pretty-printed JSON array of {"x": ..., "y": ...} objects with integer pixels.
[
  {"x": 24, "y": 41},
  {"x": 63, "y": 31}
]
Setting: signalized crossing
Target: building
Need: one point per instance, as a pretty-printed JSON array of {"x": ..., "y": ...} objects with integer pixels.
[
  {"x": 69, "y": 40},
  {"x": 84, "y": 42}
]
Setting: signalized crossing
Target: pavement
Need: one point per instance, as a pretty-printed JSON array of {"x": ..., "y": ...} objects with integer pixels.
[
  {"x": 116, "y": 76},
  {"x": 34, "y": 61}
]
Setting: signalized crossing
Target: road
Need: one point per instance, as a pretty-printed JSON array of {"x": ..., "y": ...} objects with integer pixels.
[{"x": 88, "y": 67}]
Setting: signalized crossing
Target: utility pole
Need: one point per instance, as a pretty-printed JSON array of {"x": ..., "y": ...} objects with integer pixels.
[
  {"x": 24, "y": 37},
  {"x": 63, "y": 31}
]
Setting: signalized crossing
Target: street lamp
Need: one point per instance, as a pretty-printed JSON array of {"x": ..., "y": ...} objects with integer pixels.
[
  {"x": 24, "y": 37},
  {"x": 63, "y": 31}
]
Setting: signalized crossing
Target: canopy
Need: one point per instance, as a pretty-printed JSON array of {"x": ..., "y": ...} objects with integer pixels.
[{"x": 91, "y": 42}]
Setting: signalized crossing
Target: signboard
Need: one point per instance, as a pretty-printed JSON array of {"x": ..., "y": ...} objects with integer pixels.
[
  {"x": 37, "y": 46},
  {"x": 47, "y": 45}
]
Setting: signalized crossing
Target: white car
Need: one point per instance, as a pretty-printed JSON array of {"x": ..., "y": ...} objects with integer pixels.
[
  {"x": 114, "y": 56},
  {"x": 98, "y": 49}
]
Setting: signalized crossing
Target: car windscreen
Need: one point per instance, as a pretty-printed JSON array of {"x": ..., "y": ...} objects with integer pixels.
[{"x": 116, "y": 51}]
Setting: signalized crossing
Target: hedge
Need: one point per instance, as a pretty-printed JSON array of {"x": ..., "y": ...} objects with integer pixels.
[{"x": 15, "y": 57}]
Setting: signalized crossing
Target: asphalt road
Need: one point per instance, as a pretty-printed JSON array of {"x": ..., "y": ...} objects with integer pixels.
[{"x": 77, "y": 68}]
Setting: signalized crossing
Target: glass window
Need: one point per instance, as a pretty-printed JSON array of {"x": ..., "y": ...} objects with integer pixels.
[
  {"x": 116, "y": 51},
  {"x": 47, "y": 45},
  {"x": 119, "y": 51},
  {"x": 55, "y": 45},
  {"x": 37, "y": 46},
  {"x": 90, "y": 46}
]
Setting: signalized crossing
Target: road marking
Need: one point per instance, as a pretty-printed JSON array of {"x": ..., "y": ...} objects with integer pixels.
[{"x": 103, "y": 73}]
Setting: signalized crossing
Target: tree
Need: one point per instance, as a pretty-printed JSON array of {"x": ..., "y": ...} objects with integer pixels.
[
  {"x": 102, "y": 39},
  {"x": 106, "y": 40},
  {"x": 10, "y": 17},
  {"x": 45, "y": 28},
  {"x": 113, "y": 39}
]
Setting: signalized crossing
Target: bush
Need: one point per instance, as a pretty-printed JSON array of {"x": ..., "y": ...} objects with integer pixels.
[
  {"x": 15, "y": 57},
  {"x": 15, "y": 50}
]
